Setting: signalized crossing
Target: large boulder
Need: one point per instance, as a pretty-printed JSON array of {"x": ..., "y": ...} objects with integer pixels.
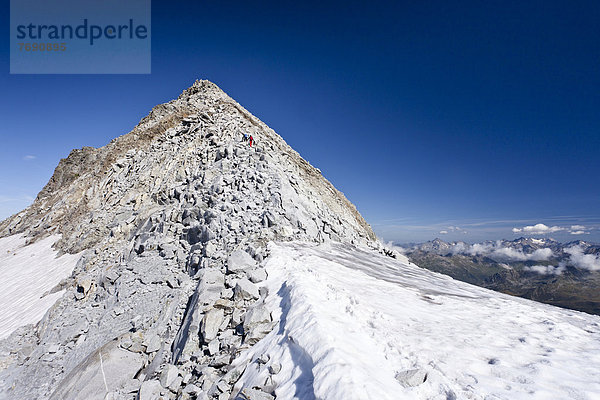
[
  {"x": 150, "y": 390},
  {"x": 239, "y": 261},
  {"x": 255, "y": 316},
  {"x": 169, "y": 375},
  {"x": 109, "y": 366},
  {"x": 411, "y": 377},
  {"x": 211, "y": 322},
  {"x": 257, "y": 323},
  {"x": 245, "y": 290},
  {"x": 253, "y": 394},
  {"x": 257, "y": 275}
]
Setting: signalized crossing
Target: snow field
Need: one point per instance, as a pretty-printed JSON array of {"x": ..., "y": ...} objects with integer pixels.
[
  {"x": 26, "y": 273},
  {"x": 351, "y": 320}
]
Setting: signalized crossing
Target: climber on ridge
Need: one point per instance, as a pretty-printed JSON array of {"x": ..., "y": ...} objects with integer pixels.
[{"x": 250, "y": 140}]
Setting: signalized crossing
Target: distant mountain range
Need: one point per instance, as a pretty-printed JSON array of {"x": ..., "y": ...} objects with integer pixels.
[{"x": 562, "y": 274}]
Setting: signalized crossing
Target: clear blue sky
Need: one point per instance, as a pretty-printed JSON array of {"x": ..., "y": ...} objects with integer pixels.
[{"x": 428, "y": 115}]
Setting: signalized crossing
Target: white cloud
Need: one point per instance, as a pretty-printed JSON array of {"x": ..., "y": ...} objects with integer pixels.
[
  {"x": 541, "y": 254},
  {"x": 459, "y": 248},
  {"x": 500, "y": 253},
  {"x": 518, "y": 255},
  {"x": 543, "y": 229},
  {"x": 29, "y": 157},
  {"x": 480, "y": 248},
  {"x": 509, "y": 253},
  {"x": 581, "y": 260},
  {"x": 390, "y": 245},
  {"x": 546, "y": 269},
  {"x": 538, "y": 229},
  {"x": 578, "y": 230},
  {"x": 452, "y": 229}
]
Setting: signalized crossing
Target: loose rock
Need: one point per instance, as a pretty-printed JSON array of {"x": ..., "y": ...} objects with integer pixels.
[
  {"x": 245, "y": 290},
  {"x": 211, "y": 322}
]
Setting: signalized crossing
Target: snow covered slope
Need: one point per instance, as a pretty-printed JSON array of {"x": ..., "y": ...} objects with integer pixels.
[
  {"x": 26, "y": 274},
  {"x": 358, "y": 325}
]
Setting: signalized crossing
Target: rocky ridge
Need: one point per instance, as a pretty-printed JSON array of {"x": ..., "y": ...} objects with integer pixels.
[{"x": 173, "y": 220}]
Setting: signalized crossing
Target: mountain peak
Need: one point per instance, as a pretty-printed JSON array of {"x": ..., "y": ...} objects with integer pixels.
[
  {"x": 193, "y": 140},
  {"x": 203, "y": 86}
]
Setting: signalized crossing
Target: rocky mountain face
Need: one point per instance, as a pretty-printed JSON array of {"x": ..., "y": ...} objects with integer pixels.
[
  {"x": 172, "y": 221},
  {"x": 561, "y": 274}
]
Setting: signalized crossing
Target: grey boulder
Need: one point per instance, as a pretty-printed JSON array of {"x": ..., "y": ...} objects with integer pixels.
[
  {"x": 150, "y": 390},
  {"x": 245, "y": 290},
  {"x": 239, "y": 261},
  {"x": 211, "y": 322},
  {"x": 411, "y": 377}
]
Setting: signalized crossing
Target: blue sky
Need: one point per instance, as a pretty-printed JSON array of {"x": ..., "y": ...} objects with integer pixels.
[{"x": 429, "y": 116}]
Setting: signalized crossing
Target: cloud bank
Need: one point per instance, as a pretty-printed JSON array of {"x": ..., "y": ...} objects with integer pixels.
[
  {"x": 500, "y": 253},
  {"x": 581, "y": 260},
  {"x": 577, "y": 258},
  {"x": 543, "y": 229},
  {"x": 509, "y": 253},
  {"x": 538, "y": 229}
]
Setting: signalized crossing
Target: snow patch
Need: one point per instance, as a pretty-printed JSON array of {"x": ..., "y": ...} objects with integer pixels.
[{"x": 26, "y": 273}]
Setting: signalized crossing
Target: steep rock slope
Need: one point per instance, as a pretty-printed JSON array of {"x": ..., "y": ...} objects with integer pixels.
[{"x": 173, "y": 220}]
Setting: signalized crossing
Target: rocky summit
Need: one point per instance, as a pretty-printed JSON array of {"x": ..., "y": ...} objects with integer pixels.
[{"x": 172, "y": 222}]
